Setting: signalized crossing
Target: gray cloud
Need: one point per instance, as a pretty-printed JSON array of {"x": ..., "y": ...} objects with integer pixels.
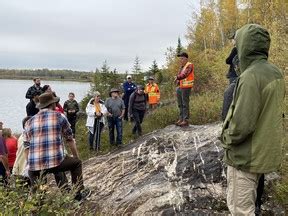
[{"x": 82, "y": 34}]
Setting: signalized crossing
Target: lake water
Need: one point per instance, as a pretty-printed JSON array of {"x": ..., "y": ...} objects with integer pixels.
[{"x": 13, "y": 101}]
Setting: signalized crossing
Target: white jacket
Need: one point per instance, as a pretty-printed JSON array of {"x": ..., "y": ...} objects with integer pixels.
[
  {"x": 90, "y": 111},
  {"x": 20, "y": 162}
]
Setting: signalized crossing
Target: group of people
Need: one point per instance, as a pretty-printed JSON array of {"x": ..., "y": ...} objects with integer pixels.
[
  {"x": 40, "y": 149},
  {"x": 8, "y": 148},
  {"x": 70, "y": 108},
  {"x": 132, "y": 105},
  {"x": 251, "y": 134}
]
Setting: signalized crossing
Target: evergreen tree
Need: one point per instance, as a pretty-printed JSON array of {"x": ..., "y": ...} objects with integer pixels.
[
  {"x": 137, "y": 71},
  {"x": 105, "y": 67},
  {"x": 137, "y": 67},
  {"x": 159, "y": 77},
  {"x": 104, "y": 79},
  {"x": 154, "y": 68},
  {"x": 179, "y": 47}
]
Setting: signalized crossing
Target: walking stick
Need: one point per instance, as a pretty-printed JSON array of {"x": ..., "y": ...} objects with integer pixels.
[
  {"x": 98, "y": 134},
  {"x": 94, "y": 132}
]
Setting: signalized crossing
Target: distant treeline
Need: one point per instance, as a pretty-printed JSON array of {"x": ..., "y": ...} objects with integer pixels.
[{"x": 45, "y": 74}]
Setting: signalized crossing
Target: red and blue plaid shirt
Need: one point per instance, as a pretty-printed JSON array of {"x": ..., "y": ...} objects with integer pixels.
[{"x": 44, "y": 136}]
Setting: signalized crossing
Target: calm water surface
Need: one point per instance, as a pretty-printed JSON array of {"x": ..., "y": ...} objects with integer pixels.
[{"x": 13, "y": 101}]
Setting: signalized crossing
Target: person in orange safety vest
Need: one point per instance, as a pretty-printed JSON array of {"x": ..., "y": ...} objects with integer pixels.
[
  {"x": 153, "y": 92},
  {"x": 184, "y": 81}
]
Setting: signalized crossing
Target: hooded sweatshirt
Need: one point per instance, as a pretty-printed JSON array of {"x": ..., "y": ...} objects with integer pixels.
[{"x": 252, "y": 131}]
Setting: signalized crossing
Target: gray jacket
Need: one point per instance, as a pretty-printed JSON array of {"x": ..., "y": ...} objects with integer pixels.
[{"x": 137, "y": 102}]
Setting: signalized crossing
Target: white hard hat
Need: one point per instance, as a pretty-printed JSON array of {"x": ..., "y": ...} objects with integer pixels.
[{"x": 129, "y": 76}]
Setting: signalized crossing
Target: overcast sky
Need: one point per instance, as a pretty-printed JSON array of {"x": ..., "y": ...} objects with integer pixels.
[{"x": 81, "y": 35}]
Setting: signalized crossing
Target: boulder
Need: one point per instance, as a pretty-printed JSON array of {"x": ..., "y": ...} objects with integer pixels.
[
  {"x": 169, "y": 171},
  {"x": 172, "y": 171}
]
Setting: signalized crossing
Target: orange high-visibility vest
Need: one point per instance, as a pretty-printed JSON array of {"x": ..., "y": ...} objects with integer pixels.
[
  {"x": 189, "y": 80},
  {"x": 153, "y": 93}
]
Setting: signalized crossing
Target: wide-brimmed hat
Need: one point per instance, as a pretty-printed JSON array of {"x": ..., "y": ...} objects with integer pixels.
[
  {"x": 114, "y": 90},
  {"x": 46, "y": 99}
]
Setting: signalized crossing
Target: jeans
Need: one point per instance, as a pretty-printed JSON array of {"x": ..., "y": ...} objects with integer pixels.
[
  {"x": 72, "y": 164},
  {"x": 138, "y": 116},
  {"x": 183, "y": 102},
  {"x": 112, "y": 123}
]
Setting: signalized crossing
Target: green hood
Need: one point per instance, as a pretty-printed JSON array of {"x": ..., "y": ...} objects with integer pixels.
[
  {"x": 253, "y": 129},
  {"x": 252, "y": 42}
]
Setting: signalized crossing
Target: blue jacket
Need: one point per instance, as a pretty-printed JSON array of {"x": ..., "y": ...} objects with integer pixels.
[{"x": 128, "y": 88}]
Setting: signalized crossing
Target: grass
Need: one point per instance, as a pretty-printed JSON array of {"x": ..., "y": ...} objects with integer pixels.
[
  {"x": 204, "y": 108},
  {"x": 209, "y": 105}
]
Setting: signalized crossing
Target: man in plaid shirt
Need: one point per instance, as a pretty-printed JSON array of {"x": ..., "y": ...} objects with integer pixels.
[{"x": 44, "y": 138}]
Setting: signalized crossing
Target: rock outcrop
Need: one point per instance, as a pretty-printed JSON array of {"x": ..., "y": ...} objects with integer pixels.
[
  {"x": 166, "y": 172},
  {"x": 172, "y": 171}
]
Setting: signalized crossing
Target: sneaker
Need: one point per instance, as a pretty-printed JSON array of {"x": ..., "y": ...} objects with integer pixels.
[{"x": 84, "y": 194}]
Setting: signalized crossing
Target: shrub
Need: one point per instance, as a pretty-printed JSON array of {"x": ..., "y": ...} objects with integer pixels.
[{"x": 17, "y": 200}]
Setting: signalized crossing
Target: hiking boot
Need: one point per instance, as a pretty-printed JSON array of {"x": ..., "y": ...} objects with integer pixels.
[
  {"x": 184, "y": 123},
  {"x": 84, "y": 194},
  {"x": 178, "y": 122}
]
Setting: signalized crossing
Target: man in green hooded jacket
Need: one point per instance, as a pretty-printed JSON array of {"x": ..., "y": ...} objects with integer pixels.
[{"x": 252, "y": 131}]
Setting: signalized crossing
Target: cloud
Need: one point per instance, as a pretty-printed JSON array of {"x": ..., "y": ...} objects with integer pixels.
[{"x": 82, "y": 34}]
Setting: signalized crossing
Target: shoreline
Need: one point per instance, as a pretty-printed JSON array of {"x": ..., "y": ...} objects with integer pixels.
[{"x": 45, "y": 78}]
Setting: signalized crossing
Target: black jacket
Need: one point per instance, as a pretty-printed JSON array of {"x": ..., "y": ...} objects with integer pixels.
[
  {"x": 231, "y": 73},
  {"x": 228, "y": 97},
  {"x": 31, "y": 109},
  {"x": 31, "y": 90}
]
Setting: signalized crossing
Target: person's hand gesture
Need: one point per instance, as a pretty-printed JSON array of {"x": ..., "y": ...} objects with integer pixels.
[
  {"x": 98, "y": 114},
  {"x": 8, "y": 173}
]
